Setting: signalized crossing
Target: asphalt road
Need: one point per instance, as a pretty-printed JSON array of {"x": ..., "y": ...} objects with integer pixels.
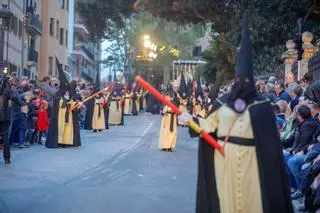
[{"x": 117, "y": 171}]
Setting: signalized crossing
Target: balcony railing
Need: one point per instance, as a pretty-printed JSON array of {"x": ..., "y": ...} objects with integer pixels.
[
  {"x": 33, "y": 56},
  {"x": 87, "y": 52},
  {"x": 33, "y": 24}
]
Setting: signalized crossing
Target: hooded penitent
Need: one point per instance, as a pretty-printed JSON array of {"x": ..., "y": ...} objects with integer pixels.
[
  {"x": 116, "y": 106},
  {"x": 243, "y": 91},
  {"x": 183, "y": 89},
  {"x": 135, "y": 100},
  {"x": 95, "y": 113},
  {"x": 183, "y": 99},
  {"x": 64, "y": 126},
  {"x": 251, "y": 176},
  {"x": 199, "y": 92},
  {"x": 128, "y": 100}
]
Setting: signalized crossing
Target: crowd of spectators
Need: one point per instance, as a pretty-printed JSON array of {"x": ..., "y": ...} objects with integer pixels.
[
  {"x": 30, "y": 117},
  {"x": 296, "y": 107}
]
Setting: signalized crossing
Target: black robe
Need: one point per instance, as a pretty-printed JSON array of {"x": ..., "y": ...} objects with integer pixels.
[
  {"x": 89, "y": 114},
  {"x": 141, "y": 102},
  {"x": 122, "y": 114},
  {"x": 134, "y": 105},
  {"x": 273, "y": 179},
  {"x": 153, "y": 105},
  {"x": 106, "y": 115},
  {"x": 52, "y": 137}
]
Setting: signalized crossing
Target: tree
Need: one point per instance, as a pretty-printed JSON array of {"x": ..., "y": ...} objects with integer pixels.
[{"x": 272, "y": 22}]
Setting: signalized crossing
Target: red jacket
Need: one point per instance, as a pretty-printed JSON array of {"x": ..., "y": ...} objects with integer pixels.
[{"x": 42, "y": 123}]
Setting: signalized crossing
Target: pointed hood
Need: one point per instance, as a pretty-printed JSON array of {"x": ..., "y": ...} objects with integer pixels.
[
  {"x": 64, "y": 83},
  {"x": 244, "y": 66},
  {"x": 199, "y": 91},
  {"x": 183, "y": 87},
  {"x": 190, "y": 86},
  {"x": 73, "y": 90}
]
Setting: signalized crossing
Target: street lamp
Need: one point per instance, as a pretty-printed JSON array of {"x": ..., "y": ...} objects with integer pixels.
[
  {"x": 5, "y": 17},
  {"x": 146, "y": 37}
]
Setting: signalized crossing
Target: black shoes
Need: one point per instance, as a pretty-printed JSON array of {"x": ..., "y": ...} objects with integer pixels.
[
  {"x": 7, "y": 161},
  {"x": 167, "y": 150}
]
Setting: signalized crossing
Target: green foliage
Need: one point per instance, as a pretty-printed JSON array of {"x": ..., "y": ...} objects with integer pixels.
[{"x": 272, "y": 23}]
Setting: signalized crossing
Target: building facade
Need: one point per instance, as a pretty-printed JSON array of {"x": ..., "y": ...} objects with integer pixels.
[
  {"x": 20, "y": 38},
  {"x": 54, "y": 39},
  {"x": 85, "y": 55}
]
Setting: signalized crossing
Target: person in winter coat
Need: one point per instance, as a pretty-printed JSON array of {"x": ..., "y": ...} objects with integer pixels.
[
  {"x": 42, "y": 123},
  {"x": 300, "y": 140}
]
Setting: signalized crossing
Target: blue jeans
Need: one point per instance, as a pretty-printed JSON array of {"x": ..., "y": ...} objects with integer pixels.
[
  {"x": 294, "y": 164},
  {"x": 291, "y": 178},
  {"x": 22, "y": 136}
]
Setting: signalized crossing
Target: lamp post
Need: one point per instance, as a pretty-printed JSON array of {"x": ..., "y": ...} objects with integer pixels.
[{"x": 5, "y": 18}]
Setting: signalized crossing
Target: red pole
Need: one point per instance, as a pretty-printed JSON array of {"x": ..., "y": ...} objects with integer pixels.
[{"x": 176, "y": 110}]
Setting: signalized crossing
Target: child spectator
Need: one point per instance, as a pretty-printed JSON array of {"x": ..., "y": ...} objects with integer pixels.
[
  {"x": 24, "y": 120},
  {"x": 42, "y": 123},
  {"x": 279, "y": 118}
]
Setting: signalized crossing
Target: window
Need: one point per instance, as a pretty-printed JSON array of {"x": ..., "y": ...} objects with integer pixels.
[
  {"x": 66, "y": 38},
  {"x": 12, "y": 24},
  {"x": 15, "y": 25},
  {"x": 51, "y": 27},
  {"x": 197, "y": 51},
  {"x": 66, "y": 68},
  {"x": 20, "y": 29},
  {"x": 50, "y": 66},
  {"x": 67, "y": 1},
  {"x": 62, "y": 4},
  {"x": 61, "y": 36},
  {"x": 58, "y": 27}
]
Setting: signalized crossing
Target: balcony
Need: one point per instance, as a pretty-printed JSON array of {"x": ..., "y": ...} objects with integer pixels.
[
  {"x": 81, "y": 30},
  {"x": 87, "y": 52},
  {"x": 33, "y": 24},
  {"x": 33, "y": 57}
]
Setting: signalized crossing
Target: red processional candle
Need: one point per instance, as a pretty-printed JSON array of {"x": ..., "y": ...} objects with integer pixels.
[{"x": 176, "y": 110}]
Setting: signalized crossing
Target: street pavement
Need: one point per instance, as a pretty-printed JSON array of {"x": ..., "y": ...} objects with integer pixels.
[{"x": 117, "y": 171}]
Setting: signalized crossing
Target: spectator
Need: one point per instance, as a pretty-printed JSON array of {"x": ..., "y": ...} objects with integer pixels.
[
  {"x": 290, "y": 125},
  {"x": 307, "y": 80},
  {"x": 290, "y": 83},
  {"x": 315, "y": 110},
  {"x": 15, "y": 111},
  {"x": 270, "y": 93},
  {"x": 284, "y": 109},
  {"x": 42, "y": 123},
  {"x": 297, "y": 92},
  {"x": 281, "y": 93},
  {"x": 280, "y": 119},
  {"x": 306, "y": 129},
  {"x": 300, "y": 139},
  {"x": 48, "y": 89}
]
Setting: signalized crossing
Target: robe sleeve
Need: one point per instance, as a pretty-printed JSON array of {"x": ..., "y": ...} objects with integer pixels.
[{"x": 210, "y": 124}]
